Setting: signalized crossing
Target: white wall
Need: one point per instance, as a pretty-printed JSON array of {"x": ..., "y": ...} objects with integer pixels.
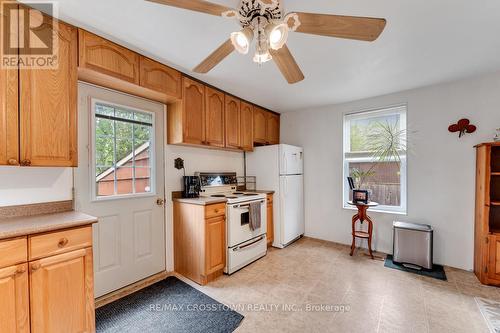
[
  {"x": 195, "y": 159},
  {"x": 441, "y": 167},
  {"x": 33, "y": 185}
]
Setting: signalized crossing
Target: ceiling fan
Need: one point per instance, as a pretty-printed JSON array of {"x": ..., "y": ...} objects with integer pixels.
[{"x": 264, "y": 21}]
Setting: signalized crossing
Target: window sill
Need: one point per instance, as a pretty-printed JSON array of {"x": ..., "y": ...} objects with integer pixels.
[{"x": 375, "y": 210}]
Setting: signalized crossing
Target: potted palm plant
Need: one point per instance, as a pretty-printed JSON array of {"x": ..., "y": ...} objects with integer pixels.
[{"x": 386, "y": 142}]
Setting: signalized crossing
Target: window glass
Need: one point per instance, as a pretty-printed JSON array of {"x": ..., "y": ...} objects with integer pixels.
[
  {"x": 122, "y": 151},
  {"x": 375, "y": 156}
]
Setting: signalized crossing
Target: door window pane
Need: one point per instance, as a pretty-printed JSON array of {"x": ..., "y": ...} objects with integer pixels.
[{"x": 123, "y": 141}]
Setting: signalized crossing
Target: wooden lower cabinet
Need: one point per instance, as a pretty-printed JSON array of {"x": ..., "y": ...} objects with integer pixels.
[
  {"x": 493, "y": 270},
  {"x": 62, "y": 293},
  {"x": 14, "y": 299},
  {"x": 52, "y": 294},
  {"x": 270, "y": 220},
  {"x": 199, "y": 241},
  {"x": 215, "y": 241}
]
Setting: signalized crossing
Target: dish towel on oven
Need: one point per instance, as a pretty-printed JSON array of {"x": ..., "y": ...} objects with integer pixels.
[{"x": 254, "y": 212}]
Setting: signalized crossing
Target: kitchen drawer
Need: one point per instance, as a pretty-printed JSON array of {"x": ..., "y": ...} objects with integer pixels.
[
  {"x": 13, "y": 251},
  {"x": 215, "y": 210},
  {"x": 49, "y": 244}
]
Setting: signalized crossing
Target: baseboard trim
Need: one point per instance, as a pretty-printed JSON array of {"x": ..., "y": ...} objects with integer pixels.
[{"x": 131, "y": 288}]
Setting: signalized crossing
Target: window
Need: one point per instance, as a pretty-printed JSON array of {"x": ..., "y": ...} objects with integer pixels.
[
  {"x": 123, "y": 141},
  {"x": 375, "y": 156}
]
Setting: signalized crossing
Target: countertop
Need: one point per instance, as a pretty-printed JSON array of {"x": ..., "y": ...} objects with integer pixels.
[
  {"x": 203, "y": 201},
  {"x": 28, "y": 225}
]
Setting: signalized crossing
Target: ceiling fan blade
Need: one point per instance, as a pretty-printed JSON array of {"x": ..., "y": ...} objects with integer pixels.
[
  {"x": 350, "y": 27},
  {"x": 287, "y": 65},
  {"x": 196, "y": 5},
  {"x": 215, "y": 58}
]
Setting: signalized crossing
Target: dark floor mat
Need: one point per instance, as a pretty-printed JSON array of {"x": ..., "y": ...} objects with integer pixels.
[
  {"x": 437, "y": 271},
  {"x": 167, "y": 306}
]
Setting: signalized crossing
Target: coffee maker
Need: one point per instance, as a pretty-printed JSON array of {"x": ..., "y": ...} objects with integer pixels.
[{"x": 191, "y": 187}]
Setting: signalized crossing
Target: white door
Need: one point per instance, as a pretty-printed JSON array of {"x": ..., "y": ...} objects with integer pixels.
[
  {"x": 291, "y": 160},
  {"x": 291, "y": 208},
  {"x": 120, "y": 179}
]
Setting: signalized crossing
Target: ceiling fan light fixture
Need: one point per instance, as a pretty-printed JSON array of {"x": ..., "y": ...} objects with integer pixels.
[
  {"x": 277, "y": 35},
  {"x": 241, "y": 40}
]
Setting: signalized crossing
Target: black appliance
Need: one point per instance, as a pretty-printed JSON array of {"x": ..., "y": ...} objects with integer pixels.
[{"x": 191, "y": 187}]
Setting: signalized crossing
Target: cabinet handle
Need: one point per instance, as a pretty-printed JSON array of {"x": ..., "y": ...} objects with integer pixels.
[
  {"x": 21, "y": 270},
  {"x": 63, "y": 242},
  {"x": 12, "y": 161},
  {"x": 35, "y": 266},
  {"x": 25, "y": 163},
  {"x": 216, "y": 211}
]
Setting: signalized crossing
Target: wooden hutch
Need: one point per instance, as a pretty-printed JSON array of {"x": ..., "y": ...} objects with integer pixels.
[{"x": 487, "y": 218}]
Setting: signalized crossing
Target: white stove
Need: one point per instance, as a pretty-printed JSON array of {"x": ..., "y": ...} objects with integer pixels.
[{"x": 244, "y": 245}]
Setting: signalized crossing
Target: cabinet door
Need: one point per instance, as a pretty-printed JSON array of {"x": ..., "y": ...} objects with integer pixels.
[
  {"x": 270, "y": 220},
  {"x": 246, "y": 126},
  {"x": 108, "y": 58},
  {"x": 273, "y": 128},
  {"x": 14, "y": 299},
  {"x": 62, "y": 293},
  {"x": 158, "y": 77},
  {"x": 494, "y": 258},
  {"x": 193, "y": 120},
  {"x": 232, "y": 112},
  {"x": 214, "y": 116},
  {"x": 9, "y": 133},
  {"x": 215, "y": 244},
  {"x": 259, "y": 126},
  {"x": 48, "y": 105}
]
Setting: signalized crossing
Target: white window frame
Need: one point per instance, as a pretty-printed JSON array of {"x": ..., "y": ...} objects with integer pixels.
[
  {"x": 400, "y": 109},
  {"x": 92, "y": 169}
]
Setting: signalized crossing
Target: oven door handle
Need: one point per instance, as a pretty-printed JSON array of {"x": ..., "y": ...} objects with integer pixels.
[
  {"x": 250, "y": 244},
  {"x": 247, "y": 205}
]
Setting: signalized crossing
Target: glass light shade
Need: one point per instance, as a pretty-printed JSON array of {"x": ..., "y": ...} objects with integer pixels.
[
  {"x": 277, "y": 35},
  {"x": 241, "y": 40},
  {"x": 262, "y": 57}
]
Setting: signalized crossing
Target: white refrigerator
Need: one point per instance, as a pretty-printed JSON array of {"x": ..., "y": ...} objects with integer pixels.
[{"x": 280, "y": 168}]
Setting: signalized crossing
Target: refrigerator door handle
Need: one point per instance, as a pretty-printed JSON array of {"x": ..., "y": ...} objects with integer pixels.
[{"x": 285, "y": 169}]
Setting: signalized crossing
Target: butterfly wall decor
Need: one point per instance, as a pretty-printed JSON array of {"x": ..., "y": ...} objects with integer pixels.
[{"x": 462, "y": 126}]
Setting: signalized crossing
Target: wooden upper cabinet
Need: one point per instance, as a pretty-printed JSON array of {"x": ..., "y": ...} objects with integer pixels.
[
  {"x": 193, "y": 112},
  {"x": 232, "y": 116},
  {"x": 273, "y": 128},
  {"x": 158, "y": 77},
  {"x": 259, "y": 126},
  {"x": 61, "y": 293},
  {"x": 48, "y": 105},
  {"x": 214, "y": 117},
  {"x": 266, "y": 127},
  {"x": 9, "y": 116},
  {"x": 246, "y": 126},
  {"x": 103, "y": 56},
  {"x": 14, "y": 300}
]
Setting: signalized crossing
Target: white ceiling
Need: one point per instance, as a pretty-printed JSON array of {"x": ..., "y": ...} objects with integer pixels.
[{"x": 425, "y": 42}]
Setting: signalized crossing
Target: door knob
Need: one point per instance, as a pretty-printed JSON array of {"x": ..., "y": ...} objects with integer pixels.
[
  {"x": 160, "y": 201},
  {"x": 12, "y": 161}
]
